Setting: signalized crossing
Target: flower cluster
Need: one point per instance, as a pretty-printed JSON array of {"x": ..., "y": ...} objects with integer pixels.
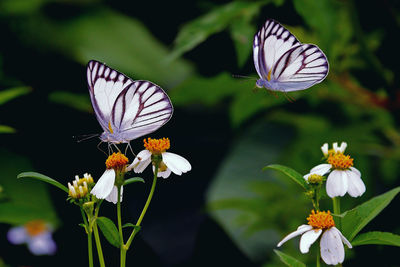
[
  {"x": 343, "y": 177},
  {"x": 80, "y": 186},
  {"x": 321, "y": 223}
]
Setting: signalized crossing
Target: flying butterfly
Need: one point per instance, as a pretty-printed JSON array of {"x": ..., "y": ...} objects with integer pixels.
[
  {"x": 126, "y": 109},
  {"x": 283, "y": 63}
]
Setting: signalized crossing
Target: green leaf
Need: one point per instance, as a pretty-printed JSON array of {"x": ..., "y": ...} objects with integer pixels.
[
  {"x": 43, "y": 178},
  {"x": 354, "y": 220},
  {"x": 77, "y": 101},
  {"x": 133, "y": 180},
  {"x": 6, "y": 129},
  {"x": 289, "y": 260},
  {"x": 9, "y": 94},
  {"x": 376, "y": 238},
  {"x": 199, "y": 29},
  {"x": 109, "y": 230},
  {"x": 292, "y": 174},
  {"x": 25, "y": 200},
  {"x": 132, "y": 225}
]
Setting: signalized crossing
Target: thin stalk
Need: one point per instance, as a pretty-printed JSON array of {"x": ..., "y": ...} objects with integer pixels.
[
  {"x": 146, "y": 206},
  {"x": 121, "y": 237},
  {"x": 318, "y": 260},
  {"x": 336, "y": 210},
  {"x": 90, "y": 243},
  {"x": 98, "y": 245}
]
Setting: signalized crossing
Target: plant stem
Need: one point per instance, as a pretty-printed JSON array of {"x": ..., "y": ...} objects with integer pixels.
[
  {"x": 121, "y": 237},
  {"x": 318, "y": 260},
  {"x": 139, "y": 221},
  {"x": 89, "y": 233},
  {"x": 98, "y": 245},
  {"x": 336, "y": 211}
]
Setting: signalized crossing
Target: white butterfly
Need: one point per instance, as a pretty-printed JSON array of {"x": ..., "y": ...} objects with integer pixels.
[
  {"x": 283, "y": 63},
  {"x": 125, "y": 109}
]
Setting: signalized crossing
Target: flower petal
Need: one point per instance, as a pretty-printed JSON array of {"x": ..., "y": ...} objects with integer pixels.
[
  {"x": 344, "y": 239},
  {"x": 356, "y": 171},
  {"x": 336, "y": 184},
  {"x": 301, "y": 229},
  {"x": 356, "y": 185},
  {"x": 342, "y": 147},
  {"x": 332, "y": 249},
  {"x": 165, "y": 174},
  {"x": 104, "y": 185},
  {"x": 325, "y": 149},
  {"x": 308, "y": 238},
  {"x": 141, "y": 161},
  {"x": 176, "y": 163},
  {"x": 42, "y": 244},
  {"x": 113, "y": 196},
  {"x": 321, "y": 169},
  {"x": 17, "y": 235}
]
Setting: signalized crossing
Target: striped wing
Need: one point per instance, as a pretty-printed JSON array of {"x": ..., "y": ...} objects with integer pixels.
[
  {"x": 105, "y": 84},
  {"x": 141, "y": 108},
  {"x": 283, "y": 61}
]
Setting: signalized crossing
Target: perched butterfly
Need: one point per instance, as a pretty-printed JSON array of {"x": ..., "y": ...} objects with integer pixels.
[
  {"x": 126, "y": 109},
  {"x": 283, "y": 63}
]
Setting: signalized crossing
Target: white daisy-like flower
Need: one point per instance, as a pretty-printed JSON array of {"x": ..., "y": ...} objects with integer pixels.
[
  {"x": 170, "y": 162},
  {"x": 331, "y": 243},
  {"x": 343, "y": 177},
  {"x": 36, "y": 234},
  {"x": 105, "y": 187}
]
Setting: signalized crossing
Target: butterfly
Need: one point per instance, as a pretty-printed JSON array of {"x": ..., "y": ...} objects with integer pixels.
[
  {"x": 283, "y": 63},
  {"x": 126, "y": 109}
]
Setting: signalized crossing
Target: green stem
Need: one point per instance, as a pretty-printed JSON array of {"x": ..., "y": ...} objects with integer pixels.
[
  {"x": 98, "y": 245},
  {"x": 318, "y": 259},
  {"x": 139, "y": 221},
  {"x": 90, "y": 243},
  {"x": 336, "y": 211},
  {"x": 121, "y": 237}
]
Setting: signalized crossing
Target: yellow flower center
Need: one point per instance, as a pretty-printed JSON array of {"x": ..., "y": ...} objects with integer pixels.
[
  {"x": 35, "y": 227},
  {"x": 116, "y": 161},
  {"x": 315, "y": 179},
  {"x": 340, "y": 161},
  {"x": 156, "y": 146},
  {"x": 321, "y": 220}
]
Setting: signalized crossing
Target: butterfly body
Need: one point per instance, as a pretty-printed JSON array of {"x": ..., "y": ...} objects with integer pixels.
[
  {"x": 283, "y": 63},
  {"x": 126, "y": 109}
]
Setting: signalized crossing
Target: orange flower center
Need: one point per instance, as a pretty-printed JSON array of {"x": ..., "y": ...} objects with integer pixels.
[
  {"x": 321, "y": 220},
  {"x": 35, "y": 227},
  {"x": 340, "y": 161},
  {"x": 116, "y": 161},
  {"x": 156, "y": 146}
]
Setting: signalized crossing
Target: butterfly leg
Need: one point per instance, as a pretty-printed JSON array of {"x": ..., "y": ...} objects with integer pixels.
[
  {"x": 291, "y": 99},
  {"x": 130, "y": 148},
  {"x": 99, "y": 148}
]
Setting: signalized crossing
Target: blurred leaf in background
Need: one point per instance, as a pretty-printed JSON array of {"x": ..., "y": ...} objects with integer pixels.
[{"x": 26, "y": 200}]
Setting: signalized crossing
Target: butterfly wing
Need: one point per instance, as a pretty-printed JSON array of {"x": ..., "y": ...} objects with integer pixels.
[
  {"x": 284, "y": 62},
  {"x": 105, "y": 84},
  {"x": 141, "y": 108}
]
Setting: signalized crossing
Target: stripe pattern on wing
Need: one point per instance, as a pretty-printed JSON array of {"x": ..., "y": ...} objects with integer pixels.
[{"x": 105, "y": 84}]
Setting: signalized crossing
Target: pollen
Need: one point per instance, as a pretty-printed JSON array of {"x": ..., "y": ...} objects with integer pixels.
[
  {"x": 321, "y": 220},
  {"x": 116, "y": 161},
  {"x": 340, "y": 161},
  {"x": 156, "y": 146},
  {"x": 35, "y": 227}
]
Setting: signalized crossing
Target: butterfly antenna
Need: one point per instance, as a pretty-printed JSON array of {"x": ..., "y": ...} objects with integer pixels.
[
  {"x": 243, "y": 76},
  {"x": 84, "y": 137}
]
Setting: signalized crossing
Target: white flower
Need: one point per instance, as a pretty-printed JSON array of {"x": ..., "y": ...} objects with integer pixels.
[
  {"x": 36, "y": 234},
  {"x": 331, "y": 243},
  {"x": 343, "y": 177},
  {"x": 170, "y": 162},
  {"x": 105, "y": 188}
]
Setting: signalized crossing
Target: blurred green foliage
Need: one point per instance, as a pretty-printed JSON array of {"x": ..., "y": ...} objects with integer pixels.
[{"x": 255, "y": 208}]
